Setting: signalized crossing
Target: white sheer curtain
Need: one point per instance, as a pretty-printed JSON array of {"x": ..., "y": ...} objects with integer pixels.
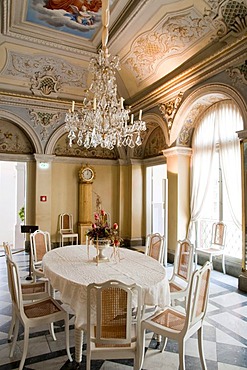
[
  {"x": 201, "y": 165},
  {"x": 218, "y": 125},
  {"x": 230, "y": 121}
]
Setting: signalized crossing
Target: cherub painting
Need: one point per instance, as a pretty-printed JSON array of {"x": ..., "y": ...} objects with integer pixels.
[
  {"x": 79, "y": 17},
  {"x": 93, "y": 5}
]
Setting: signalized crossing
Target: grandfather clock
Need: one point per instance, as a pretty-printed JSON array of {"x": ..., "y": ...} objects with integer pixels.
[{"x": 86, "y": 178}]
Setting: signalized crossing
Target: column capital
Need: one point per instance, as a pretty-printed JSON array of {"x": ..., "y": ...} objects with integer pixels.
[
  {"x": 242, "y": 134},
  {"x": 44, "y": 157},
  {"x": 177, "y": 151}
]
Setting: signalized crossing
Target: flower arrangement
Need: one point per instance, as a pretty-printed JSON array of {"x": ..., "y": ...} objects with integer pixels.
[{"x": 102, "y": 230}]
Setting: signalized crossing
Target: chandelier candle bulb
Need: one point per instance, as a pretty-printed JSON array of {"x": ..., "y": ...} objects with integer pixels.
[
  {"x": 121, "y": 102},
  {"x": 140, "y": 115},
  {"x": 94, "y": 103},
  {"x": 73, "y": 106},
  {"x": 132, "y": 119}
]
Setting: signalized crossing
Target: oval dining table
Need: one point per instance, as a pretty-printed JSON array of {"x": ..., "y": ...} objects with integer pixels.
[{"x": 71, "y": 269}]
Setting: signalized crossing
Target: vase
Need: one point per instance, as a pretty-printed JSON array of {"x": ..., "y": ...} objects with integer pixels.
[{"x": 101, "y": 245}]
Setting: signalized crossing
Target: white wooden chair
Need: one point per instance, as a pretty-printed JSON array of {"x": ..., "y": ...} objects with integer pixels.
[
  {"x": 66, "y": 229},
  {"x": 172, "y": 323},
  {"x": 155, "y": 248},
  {"x": 217, "y": 246},
  {"x": 182, "y": 271},
  {"x": 40, "y": 245},
  {"x": 112, "y": 332},
  {"x": 38, "y": 313},
  {"x": 30, "y": 291}
]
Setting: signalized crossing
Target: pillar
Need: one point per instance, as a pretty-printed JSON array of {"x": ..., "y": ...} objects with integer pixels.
[
  {"x": 43, "y": 202},
  {"x": 178, "y": 174}
]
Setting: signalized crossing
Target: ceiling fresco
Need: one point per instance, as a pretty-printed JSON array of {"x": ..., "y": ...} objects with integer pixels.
[{"x": 76, "y": 17}]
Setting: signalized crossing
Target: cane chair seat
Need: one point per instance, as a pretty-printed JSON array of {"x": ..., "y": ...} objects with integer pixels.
[
  {"x": 173, "y": 320},
  {"x": 172, "y": 323},
  {"x": 44, "y": 308}
]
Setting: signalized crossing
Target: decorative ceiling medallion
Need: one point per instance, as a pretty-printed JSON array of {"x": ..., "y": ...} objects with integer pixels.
[{"x": 44, "y": 83}]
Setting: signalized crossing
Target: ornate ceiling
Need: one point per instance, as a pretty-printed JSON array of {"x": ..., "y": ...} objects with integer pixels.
[{"x": 165, "y": 48}]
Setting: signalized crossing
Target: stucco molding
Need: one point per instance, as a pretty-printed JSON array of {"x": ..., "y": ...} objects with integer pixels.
[
  {"x": 25, "y": 126},
  {"x": 177, "y": 151}
]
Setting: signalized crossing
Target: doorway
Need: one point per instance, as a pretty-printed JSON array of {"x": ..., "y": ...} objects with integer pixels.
[
  {"x": 12, "y": 202},
  {"x": 156, "y": 200}
]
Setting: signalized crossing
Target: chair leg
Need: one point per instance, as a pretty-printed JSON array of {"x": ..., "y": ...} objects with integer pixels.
[
  {"x": 163, "y": 346},
  {"x": 88, "y": 365},
  {"x": 16, "y": 330},
  {"x": 195, "y": 260},
  {"x": 223, "y": 264},
  {"x": 12, "y": 325},
  {"x": 66, "y": 322},
  {"x": 211, "y": 261},
  {"x": 181, "y": 346},
  {"x": 142, "y": 348},
  {"x": 24, "y": 353},
  {"x": 159, "y": 339},
  {"x": 200, "y": 347},
  {"x": 52, "y": 331}
]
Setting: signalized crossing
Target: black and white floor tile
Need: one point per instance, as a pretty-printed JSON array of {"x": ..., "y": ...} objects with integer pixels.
[{"x": 225, "y": 334}]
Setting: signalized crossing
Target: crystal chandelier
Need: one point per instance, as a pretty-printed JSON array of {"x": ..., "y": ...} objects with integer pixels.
[{"x": 103, "y": 120}]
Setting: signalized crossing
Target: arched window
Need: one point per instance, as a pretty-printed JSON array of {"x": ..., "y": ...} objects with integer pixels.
[{"x": 216, "y": 175}]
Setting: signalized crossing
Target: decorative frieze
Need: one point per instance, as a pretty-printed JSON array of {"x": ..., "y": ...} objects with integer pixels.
[
  {"x": 238, "y": 74},
  {"x": 46, "y": 75},
  {"x": 226, "y": 16},
  {"x": 170, "y": 37},
  {"x": 45, "y": 120},
  {"x": 62, "y": 148},
  {"x": 155, "y": 144}
]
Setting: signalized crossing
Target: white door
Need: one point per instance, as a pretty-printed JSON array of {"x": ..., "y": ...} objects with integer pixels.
[{"x": 156, "y": 200}]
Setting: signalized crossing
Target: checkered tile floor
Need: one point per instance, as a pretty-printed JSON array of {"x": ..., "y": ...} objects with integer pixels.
[{"x": 225, "y": 334}]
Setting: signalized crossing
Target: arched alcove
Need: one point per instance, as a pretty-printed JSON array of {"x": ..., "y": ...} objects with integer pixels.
[
  {"x": 16, "y": 136},
  {"x": 154, "y": 139},
  {"x": 196, "y": 104},
  {"x": 58, "y": 144}
]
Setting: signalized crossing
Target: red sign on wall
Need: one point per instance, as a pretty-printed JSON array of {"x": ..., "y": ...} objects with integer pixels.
[{"x": 43, "y": 198}]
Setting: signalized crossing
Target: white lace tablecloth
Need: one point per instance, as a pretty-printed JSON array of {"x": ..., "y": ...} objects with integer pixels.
[{"x": 70, "y": 271}]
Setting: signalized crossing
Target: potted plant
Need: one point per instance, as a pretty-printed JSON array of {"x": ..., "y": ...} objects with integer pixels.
[{"x": 21, "y": 214}]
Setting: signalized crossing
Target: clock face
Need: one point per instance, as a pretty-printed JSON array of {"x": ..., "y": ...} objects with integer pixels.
[{"x": 87, "y": 174}]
